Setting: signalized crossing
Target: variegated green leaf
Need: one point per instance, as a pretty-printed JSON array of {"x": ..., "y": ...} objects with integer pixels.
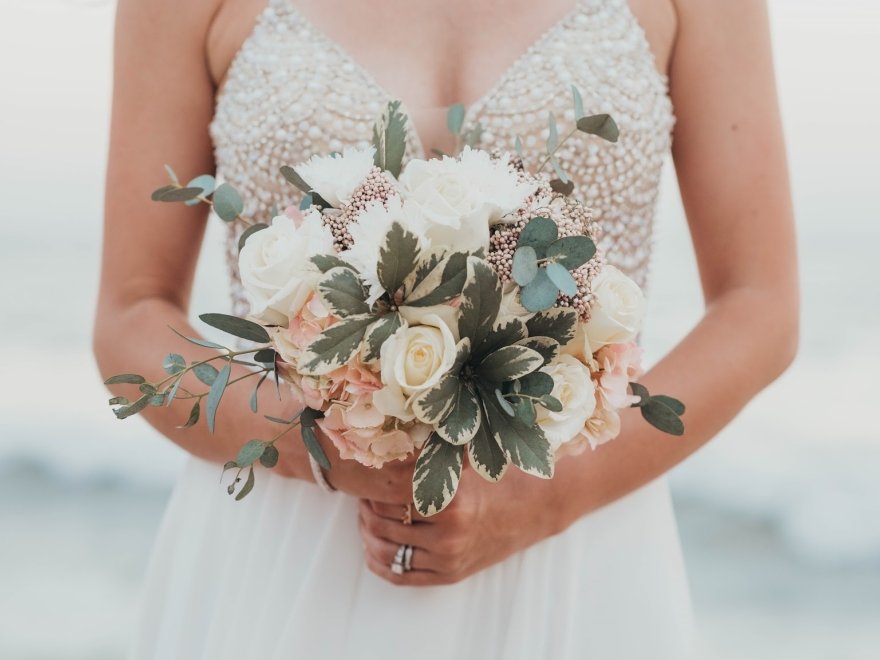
[
  {"x": 463, "y": 418},
  {"x": 525, "y": 411},
  {"x": 480, "y": 301},
  {"x": 436, "y": 476},
  {"x": 442, "y": 283},
  {"x": 558, "y": 324},
  {"x": 397, "y": 257},
  {"x": 389, "y": 139},
  {"x": 506, "y": 334},
  {"x": 485, "y": 454},
  {"x": 431, "y": 406},
  {"x": 509, "y": 363},
  {"x": 326, "y": 262},
  {"x": 525, "y": 446},
  {"x": 335, "y": 346},
  {"x": 428, "y": 261},
  {"x": 343, "y": 293},
  {"x": 547, "y": 347},
  {"x": 378, "y": 333}
]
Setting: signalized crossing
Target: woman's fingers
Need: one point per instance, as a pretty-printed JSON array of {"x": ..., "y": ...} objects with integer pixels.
[
  {"x": 398, "y": 512},
  {"x": 393, "y": 530},
  {"x": 384, "y": 552}
]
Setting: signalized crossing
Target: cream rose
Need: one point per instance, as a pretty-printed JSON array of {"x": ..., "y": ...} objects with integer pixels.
[
  {"x": 617, "y": 311},
  {"x": 458, "y": 198},
  {"x": 276, "y": 270},
  {"x": 413, "y": 360},
  {"x": 335, "y": 177},
  {"x": 574, "y": 388}
]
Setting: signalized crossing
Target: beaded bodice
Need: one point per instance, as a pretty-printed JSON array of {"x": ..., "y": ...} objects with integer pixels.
[{"x": 291, "y": 92}]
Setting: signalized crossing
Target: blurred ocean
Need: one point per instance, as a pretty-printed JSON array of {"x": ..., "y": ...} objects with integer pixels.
[{"x": 779, "y": 515}]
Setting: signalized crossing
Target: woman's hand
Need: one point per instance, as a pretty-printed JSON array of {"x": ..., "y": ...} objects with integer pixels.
[{"x": 484, "y": 524}]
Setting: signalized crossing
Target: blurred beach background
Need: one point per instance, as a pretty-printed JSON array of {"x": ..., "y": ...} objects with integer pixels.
[{"x": 779, "y": 515}]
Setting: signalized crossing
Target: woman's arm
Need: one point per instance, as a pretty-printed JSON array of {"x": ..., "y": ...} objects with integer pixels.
[
  {"x": 163, "y": 102},
  {"x": 730, "y": 159}
]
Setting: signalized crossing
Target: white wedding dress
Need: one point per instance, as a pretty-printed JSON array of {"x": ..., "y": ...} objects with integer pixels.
[{"x": 281, "y": 574}]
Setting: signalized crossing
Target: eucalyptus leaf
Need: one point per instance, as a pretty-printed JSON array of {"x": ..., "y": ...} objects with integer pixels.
[
  {"x": 237, "y": 327},
  {"x": 265, "y": 356},
  {"x": 250, "y": 231},
  {"x": 538, "y": 233},
  {"x": 640, "y": 391},
  {"x": 554, "y": 163},
  {"x": 215, "y": 394},
  {"x": 118, "y": 401},
  {"x": 310, "y": 437},
  {"x": 227, "y": 203},
  {"x": 518, "y": 147},
  {"x": 602, "y": 126},
  {"x": 572, "y": 251},
  {"x": 551, "y": 403},
  {"x": 662, "y": 417},
  {"x": 205, "y": 181},
  {"x": 306, "y": 202},
  {"x": 540, "y": 294},
  {"x": 525, "y": 411},
  {"x": 171, "y": 173},
  {"x": 578, "y": 103},
  {"x": 175, "y": 194},
  {"x": 436, "y": 476},
  {"x": 132, "y": 408},
  {"x": 193, "y": 416},
  {"x": 563, "y": 188},
  {"x": 130, "y": 379},
  {"x": 293, "y": 177},
  {"x": 269, "y": 457},
  {"x": 562, "y": 279},
  {"x": 205, "y": 372},
  {"x": 255, "y": 393},
  {"x": 334, "y": 347},
  {"x": 250, "y": 452},
  {"x": 525, "y": 265},
  {"x": 537, "y": 383},
  {"x": 248, "y": 485},
  {"x": 455, "y": 118},
  {"x": 173, "y": 364},
  {"x": 473, "y": 136},
  {"x": 199, "y": 342},
  {"x": 674, "y": 404},
  {"x": 552, "y": 133},
  {"x": 147, "y": 388}
]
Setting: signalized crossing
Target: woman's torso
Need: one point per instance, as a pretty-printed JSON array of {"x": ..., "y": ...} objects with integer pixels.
[{"x": 303, "y": 82}]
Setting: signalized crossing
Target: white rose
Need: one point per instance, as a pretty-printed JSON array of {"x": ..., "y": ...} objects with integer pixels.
[
  {"x": 575, "y": 389},
  {"x": 335, "y": 177},
  {"x": 617, "y": 311},
  {"x": 413, "y": 360},
  {"x": 368, "y": 236},
  {"x": 275, "y": 266},
  {"x": 459, "y": 198}
]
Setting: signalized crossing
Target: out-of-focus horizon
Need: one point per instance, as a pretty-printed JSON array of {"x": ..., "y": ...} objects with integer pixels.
[{"x": 779, "y": 514}]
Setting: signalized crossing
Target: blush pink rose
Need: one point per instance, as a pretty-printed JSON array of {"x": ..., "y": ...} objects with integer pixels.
[
  {"x": 619, "y": 364},
  {"x": 372, "y": 445},
  {"x": 604, "y": 425}
]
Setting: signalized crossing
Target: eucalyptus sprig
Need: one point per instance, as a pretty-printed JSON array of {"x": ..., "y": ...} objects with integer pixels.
[
  {"x": 224, "y": 199},
  {"x": 542, "y": 261}
]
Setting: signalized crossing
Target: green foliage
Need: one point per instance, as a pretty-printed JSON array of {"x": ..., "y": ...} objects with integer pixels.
[
  {"x": 509, "y": 363},
  {"x": 455, "y": 118},
  {"x": 436, "y": 476},
  {"x": 325, "y": 262},
  {"x": 379, "y": 332},
  {"x": 227, "y": 203},
  {"x": 559, "y": 324},
  {"x": 248, "y": 485},
  {"x": 562, "y": 279},
  {"x": 463, "y": 417},
  {"x": 251, "y": 451},
  {"x": 538, "y": 233},
  {"x": 250, "y": 231},
  {"x": 397, "y": 257},
  {"x": 205, "y": 372},
  {"x": 174, "y": 364},
  {"x": 562, "y": 187},
  {"x": 480, "y": 301},
  {"x": 571, "y": 251},
  {"x": 193, "y": 416},
  {"x": 602, "y": 126},
  {"x": 343, "y": 293},
  {"x": 525, "y": 265},
  {"x": 660, "y": 411},
  {"x": 237, "y": 327},
  {"x": 308, "y": 425},
  {"x": 218, "y": 387},
  {"x": 131, "y": 379},
  {"x": 436, "y": 281},
  {"x": 334, "y": 347},
  {"x": 389, "y": 139},
  {"x": 175, "y": 193},
  {"x": 485, "y": 454},
  {"x": 524, "y": 446},
  {"x": 540, "y": 294}
]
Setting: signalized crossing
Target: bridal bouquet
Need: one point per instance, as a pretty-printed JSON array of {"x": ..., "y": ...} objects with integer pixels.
[{"x": 450, "y": 306}]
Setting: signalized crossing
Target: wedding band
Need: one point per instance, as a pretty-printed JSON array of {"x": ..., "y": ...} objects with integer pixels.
[
  {"x": 407, "y": 514},
  {"x": 407, "y": 558},
  {"x": 397, "y": 566}
]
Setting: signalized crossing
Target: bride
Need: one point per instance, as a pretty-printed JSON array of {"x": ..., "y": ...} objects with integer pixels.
[{"x": 586, "y": 565}]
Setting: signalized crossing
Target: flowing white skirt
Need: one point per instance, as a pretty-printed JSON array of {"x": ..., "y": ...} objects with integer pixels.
[{"x": 281, "y": 575}]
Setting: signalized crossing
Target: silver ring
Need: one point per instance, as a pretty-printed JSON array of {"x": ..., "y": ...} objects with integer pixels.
[
  {"x": 397, "y": 566},
  {"x": 407, "y": 558}
]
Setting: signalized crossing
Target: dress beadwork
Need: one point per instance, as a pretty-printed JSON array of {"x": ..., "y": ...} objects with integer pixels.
[{"x": 280, "y": 105}]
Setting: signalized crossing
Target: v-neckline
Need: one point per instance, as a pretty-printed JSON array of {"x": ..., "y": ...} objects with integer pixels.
[{"x": 473, "y": 107}]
